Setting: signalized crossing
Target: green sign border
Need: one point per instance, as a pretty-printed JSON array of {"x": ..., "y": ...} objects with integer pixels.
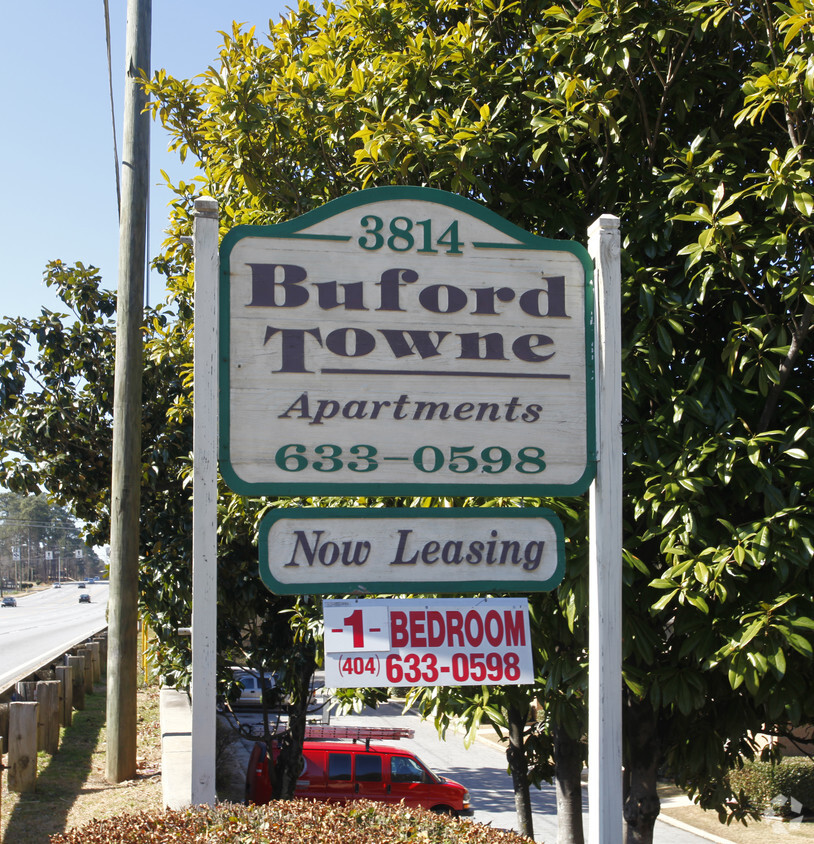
[
  {"x": 469, "y": 486},
  {"x": 399, "y": 587}
]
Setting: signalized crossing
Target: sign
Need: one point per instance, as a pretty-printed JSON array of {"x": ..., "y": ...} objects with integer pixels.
[
  {"x": 405, "y": 340},
  {"x": 430, "y": 549},
  {"x": 445, "y": 642}
]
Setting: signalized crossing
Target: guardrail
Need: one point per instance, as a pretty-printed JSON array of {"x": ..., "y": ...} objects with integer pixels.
[
  {"x": 45, "y": 661},
  {"x": 33, "y": 708}
]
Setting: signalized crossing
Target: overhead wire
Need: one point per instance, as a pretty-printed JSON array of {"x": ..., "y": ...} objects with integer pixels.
[
  {"x": 116, "y": 165},
  {"x": 112, "y": 109}
]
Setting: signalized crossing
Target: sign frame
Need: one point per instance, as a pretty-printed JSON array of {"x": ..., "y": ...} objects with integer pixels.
[
  {"x": 509, "y": 239},
  {"x": 359, "y": 586}
]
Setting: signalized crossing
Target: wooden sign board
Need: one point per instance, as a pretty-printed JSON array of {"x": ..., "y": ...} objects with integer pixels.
[
  {"x": 335, "y": 551},
  {"x": 405, "y": 341}
]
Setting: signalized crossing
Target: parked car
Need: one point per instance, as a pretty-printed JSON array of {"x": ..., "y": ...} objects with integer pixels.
[
  {"x": 251, "y": 691},
  {"x": 340, "y": 771},
  {"x": 8, "y": 601},
  {"x": 84, "y": 598}
]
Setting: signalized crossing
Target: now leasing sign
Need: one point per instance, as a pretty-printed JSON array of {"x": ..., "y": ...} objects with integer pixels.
[
  {"x": 437, "y": 550},
  {"x": 405, "y": 341},
  {"x": 434, "y": 642}
]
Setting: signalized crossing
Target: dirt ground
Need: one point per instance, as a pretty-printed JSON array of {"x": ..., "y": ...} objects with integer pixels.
[
  {"x": 761, "y": 832},
  {"x": 71, "y": 786}
]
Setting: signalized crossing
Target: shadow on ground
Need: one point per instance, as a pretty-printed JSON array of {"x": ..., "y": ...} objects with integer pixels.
[{"x": 44, "y": 812}]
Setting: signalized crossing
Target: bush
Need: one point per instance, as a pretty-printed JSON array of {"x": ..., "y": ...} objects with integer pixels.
[
  {"x": 762, "y": 783},
  {"x": 287, "y": 822}
]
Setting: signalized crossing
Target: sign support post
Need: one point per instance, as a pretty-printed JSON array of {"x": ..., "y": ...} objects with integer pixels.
[
  {"x": 204, "y": 502},
  {"x": 605, "y": 540}
]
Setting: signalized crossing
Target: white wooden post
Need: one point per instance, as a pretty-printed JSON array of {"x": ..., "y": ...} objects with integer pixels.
[
  {"x": 204, "y": 502},
  {"x": 605, "y": 823}
]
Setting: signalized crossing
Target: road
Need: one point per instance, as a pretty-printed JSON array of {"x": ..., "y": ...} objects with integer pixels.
[
  {"x": 482, "y": 769},
  {"x": 45, "y": 623}
]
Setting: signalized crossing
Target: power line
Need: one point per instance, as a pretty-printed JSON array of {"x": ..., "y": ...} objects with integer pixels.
[
  {"x": 112, "y": 110},
  {"x": 12, "y": 521}
]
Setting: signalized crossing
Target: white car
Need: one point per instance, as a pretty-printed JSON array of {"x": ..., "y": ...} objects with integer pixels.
[{"x": 251, "y": 693}]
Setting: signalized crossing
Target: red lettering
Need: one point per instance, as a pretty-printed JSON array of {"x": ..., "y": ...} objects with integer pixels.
[
  {"x": 473, "y": 620},
  {"x": 398, "y": 629},
  {"x": 435, "y": 629},
  {"x": 418, "y": 638},
  {"x": 494, "y": 628},
  {"x": 515, "y": 631},
  {"x": 455, "y": 623}
]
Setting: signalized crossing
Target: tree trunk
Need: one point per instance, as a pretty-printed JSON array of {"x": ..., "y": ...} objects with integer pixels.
[
  {"x": 568, "y": 757},
  {"x": 642, "y": 799},
  {"x": 516, "y": 757},
  {"x": 289, "y": 762}
]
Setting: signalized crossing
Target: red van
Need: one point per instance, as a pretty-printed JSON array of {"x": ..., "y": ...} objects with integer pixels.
[{"x": 342, "y": 771}]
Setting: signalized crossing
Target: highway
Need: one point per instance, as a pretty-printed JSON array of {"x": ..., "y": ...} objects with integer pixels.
[{"x": 45, "y": 623}]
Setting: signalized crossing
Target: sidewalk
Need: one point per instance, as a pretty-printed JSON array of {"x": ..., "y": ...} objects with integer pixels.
[{"x": 176, "y": 748}]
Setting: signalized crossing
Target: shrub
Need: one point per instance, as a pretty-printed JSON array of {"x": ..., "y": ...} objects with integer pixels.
[
  {"x": 287, "y": 822},
  {"x": 763, "y": 782}
]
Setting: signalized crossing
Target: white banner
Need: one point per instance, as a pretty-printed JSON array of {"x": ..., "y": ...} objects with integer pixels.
[{"x": 427, "y": 642}]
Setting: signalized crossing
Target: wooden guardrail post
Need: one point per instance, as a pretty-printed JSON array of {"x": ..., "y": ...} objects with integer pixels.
[
  {"x": 85, "y": 652},
  {"x": 77, "y": 665},
  {"x": 22, "y": 749},
  {"x": 94, "y": 649},
  {"x": 3, "y": 728},
  {"x": 26, "y": 690},
  {"x": 101, "y": 638},
  {"x": 48, "y": 720},
  {"x": 63, "y": 673}
]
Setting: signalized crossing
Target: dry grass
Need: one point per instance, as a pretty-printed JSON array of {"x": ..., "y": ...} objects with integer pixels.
[
  {"x": 71, "y": 786},
  {"x": 756, "y": 832}
]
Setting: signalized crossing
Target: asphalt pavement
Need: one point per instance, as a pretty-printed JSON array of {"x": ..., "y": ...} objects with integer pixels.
[{"x": 482, "y": 769}]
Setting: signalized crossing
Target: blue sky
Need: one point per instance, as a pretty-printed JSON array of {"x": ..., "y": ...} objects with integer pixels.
[{"x": 56, "y": 150}]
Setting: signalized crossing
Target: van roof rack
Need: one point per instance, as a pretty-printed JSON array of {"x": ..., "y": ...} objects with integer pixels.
[{"x": 366, "y": 734}]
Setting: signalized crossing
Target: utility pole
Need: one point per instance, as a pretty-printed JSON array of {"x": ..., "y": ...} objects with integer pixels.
[{"x": 125, "y": 492}]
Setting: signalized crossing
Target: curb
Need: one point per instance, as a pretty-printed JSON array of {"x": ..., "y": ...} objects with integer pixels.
[{"x": 687, "y": 828}]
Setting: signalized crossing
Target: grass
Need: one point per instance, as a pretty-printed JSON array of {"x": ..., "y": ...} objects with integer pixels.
[
  {"x": 71, "y": 786},
  {"x": 755, "y": 832}
]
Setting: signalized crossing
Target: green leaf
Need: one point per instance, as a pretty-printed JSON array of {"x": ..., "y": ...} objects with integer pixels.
[{"x": 665, "y": 600}]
